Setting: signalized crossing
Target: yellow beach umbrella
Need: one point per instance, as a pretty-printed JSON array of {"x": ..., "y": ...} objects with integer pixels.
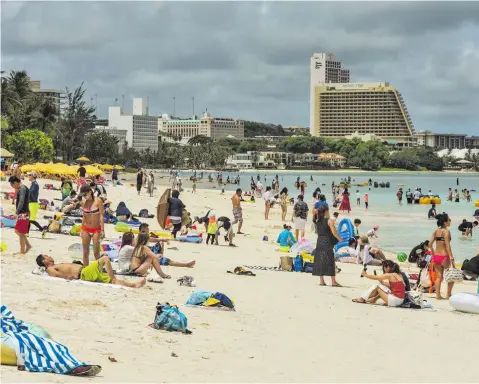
[
  {"x": 83, "y": 158},
  {"x": 106, "y": 167},
  {"x": 93, "y": 171},
  {"x": 119, "y": 167}
]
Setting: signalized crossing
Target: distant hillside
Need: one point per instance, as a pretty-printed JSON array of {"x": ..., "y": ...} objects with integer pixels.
[{"x": 254, "y": 128}]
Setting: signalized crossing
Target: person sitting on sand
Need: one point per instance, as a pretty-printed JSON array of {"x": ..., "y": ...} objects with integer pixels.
[
  {"x": 390, "y": 288},
  {"x": 70, "y": 203},
  {"x": 471, "y": 266},
  {"x": 123, "y": 214},
  {"x": 286, "y": 237},
  {"x": 363, "y": 255},
  {"x": 93, "y": 272},
  {"x": 139, "y": 258}
]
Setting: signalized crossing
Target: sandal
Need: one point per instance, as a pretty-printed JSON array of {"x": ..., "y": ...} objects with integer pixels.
[
  {"x": 86, "y": 370},
  {"x": 322, "y": 285},
  {"x": 337, "y": 285},
  {"x": 360, "y": 301}
]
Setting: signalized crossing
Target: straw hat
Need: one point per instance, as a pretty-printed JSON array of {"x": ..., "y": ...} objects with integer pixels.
[{"x": 363, "y": 240}]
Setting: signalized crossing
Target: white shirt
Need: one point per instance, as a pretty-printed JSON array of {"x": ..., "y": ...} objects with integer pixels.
[
  {"x": 363, "y": 255},
  {"x": 358, "y": 195},
  {"x": 124, "y": 258},
  {"x": 417, "y": 195},
  {"x": 268, "y": 196},
  {"x": 371, "y": 233},
  {"x": 259, "y": 185}
]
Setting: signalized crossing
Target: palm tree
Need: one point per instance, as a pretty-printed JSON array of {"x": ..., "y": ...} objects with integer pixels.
[{"x": 45, "y": 112}]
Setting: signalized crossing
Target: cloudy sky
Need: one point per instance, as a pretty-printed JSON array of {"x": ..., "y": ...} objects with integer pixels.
[{"x": 250, "y": 59}]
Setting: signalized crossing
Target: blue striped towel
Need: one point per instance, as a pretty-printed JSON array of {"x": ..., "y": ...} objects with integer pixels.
[{"x": 38, "y": 354}]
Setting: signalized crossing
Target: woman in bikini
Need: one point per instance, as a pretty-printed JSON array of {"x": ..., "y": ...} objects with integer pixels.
[
  {"x": 92, "y": 229},
  {"x": 442, "y": 255},
  {"x": 142, "y": 258}
]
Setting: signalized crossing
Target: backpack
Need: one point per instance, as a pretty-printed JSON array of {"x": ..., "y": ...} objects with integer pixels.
[
  {"x": 170, "y": 318},
  {"x": 143, "y": 213},
  {"x": 219, "y": 299},
  {"x": 286, "y": 263}
]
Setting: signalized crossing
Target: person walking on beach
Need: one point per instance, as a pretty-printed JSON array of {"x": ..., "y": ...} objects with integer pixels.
[
  {"x": 301, "y": 215},
  {"x": 345, "y": 205},
  {"x": 139, "y": 180},
  {"x": 283, "y": 198},
  {"x": 114, "y": 176},
  {"x": 150, "y": 183},
  {"x": 456, "y": 196},
  {"x": 358, "y": 198},
  {"x": 33, "y": 202},
  {"x": 23, "y": 213},
  {"x": 268, "y": 196},
  {"x": 442, "y": 253},
  {"x": 237, "y": 210},
  {"x": 93, "y": 226},
  {"x": 81, "y": 172},
  {"x": 324, "y": 264}
]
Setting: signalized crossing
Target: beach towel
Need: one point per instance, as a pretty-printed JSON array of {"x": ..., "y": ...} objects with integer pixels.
[
  {"x": 37, "y": 354},
  {"x": 45, "y": 275},
  {"x": 262, "y": 268}
]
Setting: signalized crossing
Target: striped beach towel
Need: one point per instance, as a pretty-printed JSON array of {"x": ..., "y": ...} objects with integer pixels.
[{"x": 36, "y": 353}]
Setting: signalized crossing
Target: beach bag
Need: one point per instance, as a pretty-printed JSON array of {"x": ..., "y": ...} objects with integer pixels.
[
  {"x": 219, "y": 299},
  {"x": 415, "y": 298},
  {"x": 170, "y": 318},
  {"x": 198, "y": 297},
  {"x": 308, "y": 267},
  {"x": 453, "y": 275},
  {"x": 424, "y": 278},
  {"x": 286, "y": 263}
]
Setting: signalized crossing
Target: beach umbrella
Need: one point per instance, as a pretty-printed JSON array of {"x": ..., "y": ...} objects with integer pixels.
[
  {"x": 83, "y": 158},
  {"x": 5, "y": 153},
  {"x": 106, "y": 167},
  {"x": 119, "y": 167},
  {"x": 162, "y": 208},
  {"x": 92, "y": 171}
]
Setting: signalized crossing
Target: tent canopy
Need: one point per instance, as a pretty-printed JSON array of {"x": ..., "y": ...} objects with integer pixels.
[
  {"x": 464, "y": 162},
  {"x": 5, "y": 153}
]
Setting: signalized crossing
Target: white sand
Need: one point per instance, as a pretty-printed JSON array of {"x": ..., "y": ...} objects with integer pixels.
[{"x": 286, "y": 328}]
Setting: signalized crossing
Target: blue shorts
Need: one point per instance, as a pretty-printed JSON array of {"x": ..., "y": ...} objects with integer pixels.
[{"x": 164, "y": 261}]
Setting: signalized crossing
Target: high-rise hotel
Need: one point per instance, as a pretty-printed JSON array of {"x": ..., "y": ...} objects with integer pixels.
[{"x": 339, "y": 108}]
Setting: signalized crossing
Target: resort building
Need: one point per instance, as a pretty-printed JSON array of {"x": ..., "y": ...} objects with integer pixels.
[
  {"x": 447, "y": 140},
  {"x": 324, "y": 68},
  {"x": 141, "y": 129},
  {"x": 55, "y": 94},
  {"x": 120, "y": 134},
  {"x": 472, "y": 142},
  {"x": 333, "y": 159},
  {"x": 207, "y": 125},
  {"x": 362, "y": 108}
]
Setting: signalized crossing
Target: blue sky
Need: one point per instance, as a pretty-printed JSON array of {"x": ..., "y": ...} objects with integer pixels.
[{"x": 250, "y": 59}]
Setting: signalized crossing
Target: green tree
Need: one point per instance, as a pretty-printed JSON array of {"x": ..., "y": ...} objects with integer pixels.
[
  {"x": 31, "y": 145},
  {"x": 200, "y": 140},
  {"x": 75, "y": 122},
  {"x": 101, "y": 147}
]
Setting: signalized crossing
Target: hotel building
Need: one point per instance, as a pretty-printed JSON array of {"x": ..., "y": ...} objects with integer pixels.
[
  {"x": 343, "y": 109},
  {"x": 324, "y": 68},
  {"x": 54, "y": 94},
  {"x": 207, "y": 125}
]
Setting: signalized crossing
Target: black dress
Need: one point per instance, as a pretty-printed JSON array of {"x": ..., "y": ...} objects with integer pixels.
[{"x": 324, "y": 264}]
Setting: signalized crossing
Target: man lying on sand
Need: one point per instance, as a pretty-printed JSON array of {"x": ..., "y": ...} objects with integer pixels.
[{"x": 93, "y": 272}]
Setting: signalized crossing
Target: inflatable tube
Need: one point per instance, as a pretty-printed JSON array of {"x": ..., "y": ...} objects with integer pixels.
[
  {"x": 9, "y": 223},
  {"x": 430, "y": 200},
  {"x": 346, "y": 231},
  {"x": 8, "y": 355},
  {"x": 110, "y": 249},
  {"x": 465, "y": 302},
  {"x": 476, "y": 204},
  {"x": 189, "y": 239},
  {"x": 284, "y": 249}
]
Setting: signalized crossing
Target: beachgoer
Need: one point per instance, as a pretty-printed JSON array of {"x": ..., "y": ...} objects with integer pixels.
[
  {"x": 268, "y": 196},
  {"x": 324, "y": 257},
  {"x": 399, "y": 195},
  {"x": 283, "y": 197},
  {"x": 449, "y": 195},
  {"x": 418, "y": 252},
  {"x": 471, "y": 266},
  {"x": 442, "y": 253},
  {"x": 466, "y": 227},
  {"x": 98, "y": 189},
  {"x": 302, "y": 186},
  {"x": 390, "y": 288},
  {"x": 357, "y": 223},
  {"x": 194, "y": 185},
  {"x": 212, "y": 229},
  {"x": 456, "y": 196},
  {"x": 225, "y": 222},
  {"x": 301, "y": 215},
  {"x": 431, "y": 214},
  {"x": 286, "y": 237},
  {"x": 237, "y": 210},
  {"x": 93, "y": 226},
  {"x": 66, "y": 187},
  {"x": 358, "y": 197},
  {"x": 363, "y": 254},
  {"x": 150, "y": 183},
  {"x": 345, "y": 205},
  {"x": 123, "y": 214},
  {"x": 139, "y": 180},
  {"x": 417, "y": 196},
  {"x": 409, "y": 196},
  {"x": 93, "y": 272},
  {"x": 366, "y": 200},
  {"x": 175, "y": 211},
  {"x": 373, "y": 232},
  {"x": 70, "y": 203},
  {"x": 33, "y": 204},
  {"x": 114, "y": 176},
  {"x": 23, "y": 213},
  {"x": 81, "y": 171}
]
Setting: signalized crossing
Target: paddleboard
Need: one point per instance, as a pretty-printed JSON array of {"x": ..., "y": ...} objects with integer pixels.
[{"x": 162, "y": 208}]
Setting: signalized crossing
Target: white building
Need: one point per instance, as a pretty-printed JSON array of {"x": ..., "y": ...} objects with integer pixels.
[
  {"x": 141, "y": 129},
  {"x": 120, "y": 134},
  {"x": 207, "y": 125},
  {"x": 324, "y": 68}
]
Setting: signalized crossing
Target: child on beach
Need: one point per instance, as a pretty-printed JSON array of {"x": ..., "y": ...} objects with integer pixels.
[
  {"x": 212, "y": 230},
  {"x": 358, "y": 198},
  {"x": 366, "y": 200},
  {"x": 357, "y": 223}
]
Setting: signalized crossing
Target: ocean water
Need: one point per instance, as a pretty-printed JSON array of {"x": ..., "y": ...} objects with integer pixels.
[{"x": 402, "y": 226}]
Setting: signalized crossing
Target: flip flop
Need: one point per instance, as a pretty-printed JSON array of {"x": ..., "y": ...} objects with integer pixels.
[
  {"x": 337, "y": 286},
  {"x": 322, "y": 285},
  {"x": 359, "y": 301},
  {"x": 86, "y": 370}
]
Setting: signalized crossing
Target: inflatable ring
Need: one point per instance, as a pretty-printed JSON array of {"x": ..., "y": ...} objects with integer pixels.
[
  {"x": 430, "y": 200},
  {"x": 8, "y": 355}
]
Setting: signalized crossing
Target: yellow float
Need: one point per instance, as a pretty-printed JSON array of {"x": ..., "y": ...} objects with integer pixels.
[
  {"x": 476, "y": 203},
  {"x": 430, "y": 200},
  {"x": 8, "y": 355}
]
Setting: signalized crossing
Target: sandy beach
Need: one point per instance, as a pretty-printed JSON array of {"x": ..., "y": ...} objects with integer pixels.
[{"x": 286, "y": 327}]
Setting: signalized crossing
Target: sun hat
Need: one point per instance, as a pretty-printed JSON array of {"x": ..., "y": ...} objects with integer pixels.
[
  {"x": 32, "y": 174},
  {"x": 364, "y": 240}
]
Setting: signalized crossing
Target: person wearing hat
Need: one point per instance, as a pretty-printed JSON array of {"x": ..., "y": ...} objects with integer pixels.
[
  {"x": 363, "y": 256},
  {"x": 286, "y": 237},
  {"x": 373, "y": 232},
  {"x": 33, "y": 205}
]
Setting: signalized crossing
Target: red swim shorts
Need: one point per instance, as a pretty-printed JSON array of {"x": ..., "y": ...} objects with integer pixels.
[{"x": 23, "y": 223}]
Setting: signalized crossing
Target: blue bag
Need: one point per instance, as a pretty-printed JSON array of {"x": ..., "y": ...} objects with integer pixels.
[
  {"x": 170, "y": 318},
  {"x": 298, "y": 263}
]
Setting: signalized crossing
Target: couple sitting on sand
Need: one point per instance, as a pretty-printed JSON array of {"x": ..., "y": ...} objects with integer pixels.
[{"x": 139, "y": 261}]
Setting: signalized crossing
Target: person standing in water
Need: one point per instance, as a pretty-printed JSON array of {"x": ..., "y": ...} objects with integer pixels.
[
  {"x": 345, "y": 205},
  {"x": 440, "y": 246}
]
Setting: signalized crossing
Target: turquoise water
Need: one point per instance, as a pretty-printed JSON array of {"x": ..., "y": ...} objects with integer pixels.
[{"x": 406, "y": 225}]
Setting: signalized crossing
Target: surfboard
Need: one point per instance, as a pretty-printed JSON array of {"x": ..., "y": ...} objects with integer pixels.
[{"x": 162, "y": 208}]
